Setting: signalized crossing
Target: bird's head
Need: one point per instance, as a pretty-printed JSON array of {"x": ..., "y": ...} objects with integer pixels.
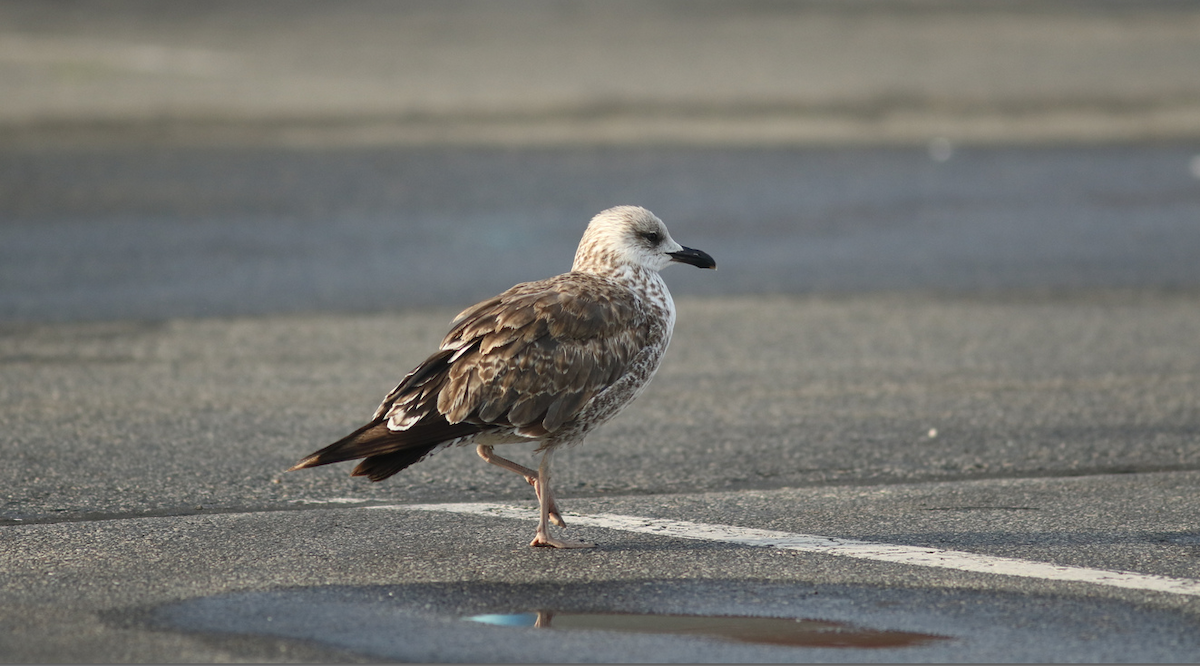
[{"x": 631, "y": 236}]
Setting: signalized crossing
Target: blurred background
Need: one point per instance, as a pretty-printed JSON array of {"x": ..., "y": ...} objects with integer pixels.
[{"x": 168, "y": 158}]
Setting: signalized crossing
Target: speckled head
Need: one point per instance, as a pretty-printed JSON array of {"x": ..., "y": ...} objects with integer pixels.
[{"x": 631, "y": 236}]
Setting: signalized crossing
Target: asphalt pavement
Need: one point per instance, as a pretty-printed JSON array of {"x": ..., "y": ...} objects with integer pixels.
[
  {"x": 950, "y": 350},
  {"x": 546, "y": 72}
]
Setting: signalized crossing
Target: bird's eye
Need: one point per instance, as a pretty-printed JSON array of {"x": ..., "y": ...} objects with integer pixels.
[{"x": 652, "y": 237}]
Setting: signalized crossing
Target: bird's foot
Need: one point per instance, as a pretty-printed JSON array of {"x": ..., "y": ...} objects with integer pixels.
[{"x": 547, "y": 541}]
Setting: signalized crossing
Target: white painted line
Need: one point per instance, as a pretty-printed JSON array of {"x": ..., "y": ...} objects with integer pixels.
[
  {"x": 337, "y": 500},
  {"x": 879, "y": 552}
]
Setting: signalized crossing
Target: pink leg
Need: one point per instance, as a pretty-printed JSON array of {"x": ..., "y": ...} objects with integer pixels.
[
  {"x": 543, "y": 539},
  {"x": 531, "y": 477}
]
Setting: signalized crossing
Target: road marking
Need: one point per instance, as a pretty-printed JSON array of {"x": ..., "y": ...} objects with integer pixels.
[{"x": 879, "y": 552}]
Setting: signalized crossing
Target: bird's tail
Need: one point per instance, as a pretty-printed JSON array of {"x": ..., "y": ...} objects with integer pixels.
[{"x": 387, "y": 451}]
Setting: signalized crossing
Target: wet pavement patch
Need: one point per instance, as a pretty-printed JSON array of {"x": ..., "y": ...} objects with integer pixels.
[
  {"x": 682, "y": 621},
  {"x": 747, "y": 629}
]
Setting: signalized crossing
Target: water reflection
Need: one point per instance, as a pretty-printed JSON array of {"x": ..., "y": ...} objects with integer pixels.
[{"x": 763, "y": 630}]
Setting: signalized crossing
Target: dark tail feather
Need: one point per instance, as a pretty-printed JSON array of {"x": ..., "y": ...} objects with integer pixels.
[
  {"x": 357, "y": 444},
  {"x": 378, "y": 468},
  {"x": 387, "y": 451}
]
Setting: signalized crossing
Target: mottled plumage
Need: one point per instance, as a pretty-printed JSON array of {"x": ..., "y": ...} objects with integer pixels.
[{"x": 545, "y": 361}]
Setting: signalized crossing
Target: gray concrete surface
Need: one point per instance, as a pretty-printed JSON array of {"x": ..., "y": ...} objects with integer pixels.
[
  {"x": 146, "y": 517},
  {"x": 226, "y": 230},
  {"x": 310, "y": 72},
  {"x": 338, "y": 584},
  {"x": 152, "y": 233},
  {"x": 117, "y": 418}
]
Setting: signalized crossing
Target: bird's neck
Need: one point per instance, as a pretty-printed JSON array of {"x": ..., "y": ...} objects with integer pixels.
[{"x": 648, "y": 284}]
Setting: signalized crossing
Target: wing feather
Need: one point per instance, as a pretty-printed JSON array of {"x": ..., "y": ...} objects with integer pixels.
[
  {"x": 541, "y": 350},
  {"x": 525, "y": 362}
]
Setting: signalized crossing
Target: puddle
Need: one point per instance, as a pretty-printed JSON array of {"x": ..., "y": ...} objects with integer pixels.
[
  {"x": 424, "y": 623},
  {"x": 745, "y": 629}
]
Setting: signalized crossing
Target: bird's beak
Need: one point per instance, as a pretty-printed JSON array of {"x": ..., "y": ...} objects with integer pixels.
[{"x": 697, "y": 258}]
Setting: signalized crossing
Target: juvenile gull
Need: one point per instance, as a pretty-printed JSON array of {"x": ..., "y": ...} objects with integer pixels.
[{"x": 544, "y": 362}]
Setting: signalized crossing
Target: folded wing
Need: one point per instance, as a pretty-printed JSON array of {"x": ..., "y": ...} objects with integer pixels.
[{"x": 522, "y": 364}]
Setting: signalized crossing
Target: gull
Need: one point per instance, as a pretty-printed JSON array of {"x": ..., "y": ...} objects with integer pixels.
[{"x": 546, "y": 362}]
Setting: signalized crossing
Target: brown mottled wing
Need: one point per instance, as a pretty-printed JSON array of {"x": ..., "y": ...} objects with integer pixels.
[
  {"x": 526, "y": 361},
  {"x": 532, "y": 357}
]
